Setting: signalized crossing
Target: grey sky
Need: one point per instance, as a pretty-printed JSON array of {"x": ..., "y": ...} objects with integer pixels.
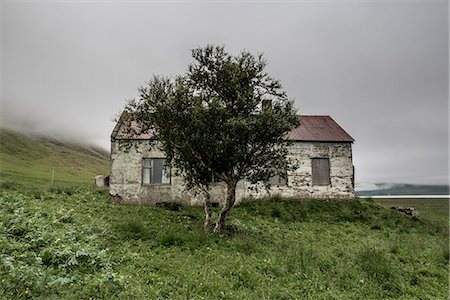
[{"x": 379, "y": 68}]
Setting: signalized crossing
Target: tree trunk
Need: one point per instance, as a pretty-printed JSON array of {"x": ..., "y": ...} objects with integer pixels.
[
  {"x": 208, "y": 211},
  {"x": 231, "y": 198}
]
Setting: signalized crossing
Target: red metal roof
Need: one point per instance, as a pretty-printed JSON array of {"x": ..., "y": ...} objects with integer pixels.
[
  {"x": 312, "y": 129},
  {"x": 319, "y": 129},
  {"x": 128, "y": 129}
]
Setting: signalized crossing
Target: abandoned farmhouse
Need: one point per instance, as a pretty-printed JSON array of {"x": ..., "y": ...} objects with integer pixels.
[{"x": 322, "y": 149}]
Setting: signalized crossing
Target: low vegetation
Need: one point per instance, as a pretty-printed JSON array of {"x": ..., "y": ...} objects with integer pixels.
[
  {"x": 72, "y": 243},
  {"x": 436, "y": 209},
  {"x": 30, "y": 159}
]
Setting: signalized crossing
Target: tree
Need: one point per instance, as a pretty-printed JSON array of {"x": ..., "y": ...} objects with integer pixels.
[{"x": 226, "y": 118}]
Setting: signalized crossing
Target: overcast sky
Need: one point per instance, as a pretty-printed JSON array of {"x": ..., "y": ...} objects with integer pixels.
[{"x": 379, "y": 68}]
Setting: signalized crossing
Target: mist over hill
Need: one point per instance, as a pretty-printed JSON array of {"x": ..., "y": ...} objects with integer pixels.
[{"x": 38, "y": 158}]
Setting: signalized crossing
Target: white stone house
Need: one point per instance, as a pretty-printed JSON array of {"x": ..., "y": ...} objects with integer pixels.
[{"x": 322, "y": 149}]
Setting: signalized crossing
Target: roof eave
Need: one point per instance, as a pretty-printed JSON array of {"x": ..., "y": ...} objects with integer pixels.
[
  {"x": 320, "y": 141},
  {"x": 119, "y": 123}
]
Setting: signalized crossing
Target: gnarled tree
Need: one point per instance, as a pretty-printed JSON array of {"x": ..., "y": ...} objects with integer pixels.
[{"x": 225, "y": 118}]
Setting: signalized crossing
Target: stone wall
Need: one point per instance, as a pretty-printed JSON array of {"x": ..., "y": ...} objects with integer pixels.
[
  {"x": 300, "y": 180},
  {"x": 126, "y": 176}
]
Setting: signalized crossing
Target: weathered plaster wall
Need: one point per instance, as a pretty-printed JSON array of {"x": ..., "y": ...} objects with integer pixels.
[
  {"x": 300, "y": 181},
  {"x": 126, "y": 174}
]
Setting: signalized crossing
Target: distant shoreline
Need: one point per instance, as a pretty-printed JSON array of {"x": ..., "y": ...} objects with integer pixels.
[{"x": 406, "y": 196}]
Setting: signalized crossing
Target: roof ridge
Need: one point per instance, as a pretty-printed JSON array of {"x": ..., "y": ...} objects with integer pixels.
[{"x": 313, "y": 128}]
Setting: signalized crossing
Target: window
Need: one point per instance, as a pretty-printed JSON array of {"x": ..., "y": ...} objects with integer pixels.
[
  {"x": 154, "y": 172},
  {"x": 321, "y": 171},
  {"x": 279, "y": 180}
]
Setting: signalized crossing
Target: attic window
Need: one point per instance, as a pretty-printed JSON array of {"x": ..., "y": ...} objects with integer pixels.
[
  {"x": 320, "y": 171},
  {"x": 154, "y": 172}
]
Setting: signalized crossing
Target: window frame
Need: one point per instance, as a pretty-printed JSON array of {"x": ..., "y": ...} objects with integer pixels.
[
  {"x": 143, "y": 167},
  {"x": 313, "y": 168}
]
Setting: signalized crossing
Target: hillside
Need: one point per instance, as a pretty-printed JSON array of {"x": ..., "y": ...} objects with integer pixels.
[
  {"x": 31, "y": 159},
  {"x": 383, "y": 189},
  {"x": 75, "y": 244}
]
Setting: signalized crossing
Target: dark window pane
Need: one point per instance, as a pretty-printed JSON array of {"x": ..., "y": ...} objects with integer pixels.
[
  {"x": 153, "y": 171},
  {"x": 157, "y": 170}
]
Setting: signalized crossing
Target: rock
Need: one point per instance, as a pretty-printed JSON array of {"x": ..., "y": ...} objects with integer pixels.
[
  {"x": 101, "y": 181},
  {"x": 411, "y": 211}
]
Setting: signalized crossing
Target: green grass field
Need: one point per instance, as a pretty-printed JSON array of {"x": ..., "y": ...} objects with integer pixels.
[
  {"x": 72, "y": 243},
  {"x": 431, "y": 209},
  {"x": 29, "y": 159},
  {"x": 67, "y": 241}
]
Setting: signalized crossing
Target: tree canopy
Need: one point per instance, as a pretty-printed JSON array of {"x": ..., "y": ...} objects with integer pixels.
[{"x": 225, "y": 118}]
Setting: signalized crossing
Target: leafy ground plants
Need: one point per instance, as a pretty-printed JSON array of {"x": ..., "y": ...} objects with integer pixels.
[{"x": 74, "y": 244}]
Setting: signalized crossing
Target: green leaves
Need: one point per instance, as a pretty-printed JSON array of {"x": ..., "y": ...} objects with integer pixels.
[
  {"x": 50, "y": 243},
  {"x": 225, "y": 119},
  {"x": 211, "y": 122}
]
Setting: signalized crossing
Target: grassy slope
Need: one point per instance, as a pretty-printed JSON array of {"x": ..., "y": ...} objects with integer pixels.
[
  {"x": 75, "y": 244},
  {"x": 431, "y": 209},
  {"x": 27, "y": 159}
]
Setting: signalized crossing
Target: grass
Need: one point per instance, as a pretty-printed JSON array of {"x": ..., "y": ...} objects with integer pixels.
[
  {"x": 29, "y": 159},
  {"x": 72, "y": 243},
  {"x": 436, "y": 210}
]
